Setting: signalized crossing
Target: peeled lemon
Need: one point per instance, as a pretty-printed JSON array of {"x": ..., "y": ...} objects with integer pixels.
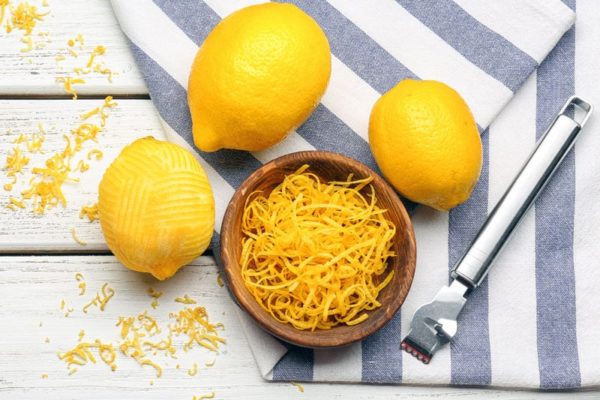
[
  {"x": 156, "y": 207},
  {"x": 426, "y": 143},
  {"x": 258, "y": 75}
]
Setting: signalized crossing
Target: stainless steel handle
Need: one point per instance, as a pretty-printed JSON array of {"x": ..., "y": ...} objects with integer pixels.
[{"x": 551, "y": 149}]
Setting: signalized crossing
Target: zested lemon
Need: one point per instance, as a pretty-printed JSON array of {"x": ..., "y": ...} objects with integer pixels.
[
  {"x": 425, "y": 141},
  {"x": 258, "y": 75},
  {"x": 156, "y": 207}
]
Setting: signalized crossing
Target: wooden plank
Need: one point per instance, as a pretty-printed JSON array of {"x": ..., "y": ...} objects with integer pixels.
[
  {"x": 31, "y": 289},
  {"x": 23, "y": 231},
  {"x": 34, "y": 72}
]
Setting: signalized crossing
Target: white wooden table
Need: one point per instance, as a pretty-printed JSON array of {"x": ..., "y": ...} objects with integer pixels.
[{"x": 39, "y": 258}]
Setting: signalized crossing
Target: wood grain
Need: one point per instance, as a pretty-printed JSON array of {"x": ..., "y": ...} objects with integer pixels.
[
  {"x": 34, "y": 73},
  {"x": 32, "y": 287},
  {"x": 329, "y": 167},
  {"x": 22, "y": 231}
]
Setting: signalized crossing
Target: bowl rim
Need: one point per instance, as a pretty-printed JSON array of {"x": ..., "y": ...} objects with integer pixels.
[{"x": 268, "y": 323}]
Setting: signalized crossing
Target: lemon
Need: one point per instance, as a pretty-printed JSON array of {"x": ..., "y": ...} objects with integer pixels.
[
  {"x": 425, "y": 141},
  {"x": 258, "y": 75},
  {"x": 156, "y": 207}
]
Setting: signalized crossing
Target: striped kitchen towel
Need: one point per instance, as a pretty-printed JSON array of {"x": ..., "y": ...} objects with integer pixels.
[{"x": 528, "y": 325}]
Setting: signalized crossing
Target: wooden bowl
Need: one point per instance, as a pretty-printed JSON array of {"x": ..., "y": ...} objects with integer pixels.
[{"x": 328, "y": 166}]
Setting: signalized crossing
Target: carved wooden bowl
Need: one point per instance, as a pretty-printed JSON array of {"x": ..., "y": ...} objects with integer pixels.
[{"x": 329, "y": 167}]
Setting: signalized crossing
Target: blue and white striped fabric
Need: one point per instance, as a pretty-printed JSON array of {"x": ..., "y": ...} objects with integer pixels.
[{"x": 533, "y": 323}]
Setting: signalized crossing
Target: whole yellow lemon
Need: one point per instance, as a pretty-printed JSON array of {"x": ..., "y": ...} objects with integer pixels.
[
  {"x": 258, "y": 75},
  {"x": 156, "y": 207},
  {"x": 425, "y": 141}
]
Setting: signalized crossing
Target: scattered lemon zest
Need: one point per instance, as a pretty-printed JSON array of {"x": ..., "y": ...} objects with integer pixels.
[
  {"x": 108, "y": 103},
  {"x": 60, "y": 57},
  {"x": 3, "y": 4},
  {"x": 72, "y": 52},
  {"x": 91, "y": 212},
  {"x": 220, "y": 280},
  {"x": 299, "y": 386},
  {"x": 27, "y": 39},
  {"x": 90, "y": 113},
  {"x": 98, "y": 51},
  {"x": 315, "y": 254},
  {"x": 62, "y": 304},
  {"x": 82, "y": 166},
  {"x": 44, "y": 376},
  {"x": 104, "y": 70},
  {"x": 25, "y": 16},
  {"x": 210, "y": 395},
  {"x": 101, "y": 299},
  {"x": 68, "y": 83},
  {"x": 155, "y": 296},
  {"x": 97, "y": 154},
  {"x": 16, "y": 160},
  {"x": 16, "y": 202},
  {"x": 81, "y": 354},
  {"x": 135, "y": 342},
  {"x": 185, "y": 300},
  {"x": 80, "y": 335},
  {"x": 194, "y": 370},
  {"x": 77, "y": 238},
  {"x": 194, "y": 323},
  {"x": 45, "y": 186},
  {"x": 210, "y": 363},
  {"x": 82, "y": 285}
]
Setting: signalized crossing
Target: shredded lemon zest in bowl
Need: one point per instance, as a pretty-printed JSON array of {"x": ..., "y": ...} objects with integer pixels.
[{"x": 315, "y": 254}]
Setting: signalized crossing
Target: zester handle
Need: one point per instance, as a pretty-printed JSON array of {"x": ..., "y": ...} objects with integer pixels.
[{"x": 550, "y": 150}]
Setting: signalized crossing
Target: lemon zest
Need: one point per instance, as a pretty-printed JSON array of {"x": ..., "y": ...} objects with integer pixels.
[
  {"x": 315, "y": 254},
  {"x": 194, "y": 323},
  {"x": 155, "y": 296},
  {"x": 96, "y": 154},
  {"x": 210, "y": 363},
  {"x": 185, "y": 300},
  {"x": 28, "y": 40},
  {"x": 98, "y": 51},
  {"x": 194, "y": 370},
  {"x": 81, "y": 355},
  {"x": 77, "y": 238},
  {"x": 16, "y": 202},
  {"x": 82, "y": 285},
  {"x": 90, "y": 113},
  {"x": 25, "y": 16},
  {"x": 68, "y": 83},
  {"x": 299, "y": 386},
  {"x": 101, "y": 299},
  {"x": 90, "y": 212},
  {"x": 210, "y": 395}
]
